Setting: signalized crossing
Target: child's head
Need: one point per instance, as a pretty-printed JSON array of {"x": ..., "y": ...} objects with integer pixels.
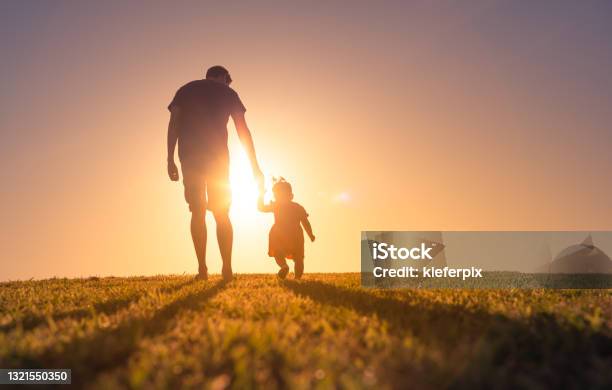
[{"x": 282, "y": 190}]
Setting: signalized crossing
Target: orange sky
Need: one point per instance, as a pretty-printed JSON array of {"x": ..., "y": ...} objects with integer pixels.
[{"x": 487, "y": 116}]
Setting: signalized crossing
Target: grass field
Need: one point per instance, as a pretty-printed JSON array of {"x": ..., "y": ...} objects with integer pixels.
[{"x": 324, "y": 331}]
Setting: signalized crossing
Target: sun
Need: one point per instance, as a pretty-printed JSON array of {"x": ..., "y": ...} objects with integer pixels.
[{"x": 243, "y": 185}]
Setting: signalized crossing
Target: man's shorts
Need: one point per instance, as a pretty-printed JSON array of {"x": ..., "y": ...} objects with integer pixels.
[{"x": 207, "y": 185}]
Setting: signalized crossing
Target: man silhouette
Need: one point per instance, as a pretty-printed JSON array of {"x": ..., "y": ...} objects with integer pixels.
[{"x": 199, "y": 114}]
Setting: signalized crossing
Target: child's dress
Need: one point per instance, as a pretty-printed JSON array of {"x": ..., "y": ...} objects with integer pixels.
[{"x": 286, "y": 236}]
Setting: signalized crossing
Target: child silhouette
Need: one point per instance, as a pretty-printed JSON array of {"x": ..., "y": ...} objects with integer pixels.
[{"x": 286, "y": 236}]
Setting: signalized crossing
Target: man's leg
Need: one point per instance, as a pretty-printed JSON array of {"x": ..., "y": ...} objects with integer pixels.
[
  {"x": 194, "y": 195},
  {"x": 225, "y": 238},
  {"x": 219, "y": 199},
  {"x": 198, "y": 235}
]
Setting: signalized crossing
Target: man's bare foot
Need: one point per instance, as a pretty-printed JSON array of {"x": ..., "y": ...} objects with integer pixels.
[
  {"x": 282, "y": 273},
  {"x": 202, "y": 276},
  {"x": 227, "y": 275}
]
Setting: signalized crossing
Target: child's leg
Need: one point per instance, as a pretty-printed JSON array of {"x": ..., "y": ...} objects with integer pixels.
[
  {"x": 281, "y": 262},
  {"x": 282, "y": 273},
  {"x": 299, "y": 268}
]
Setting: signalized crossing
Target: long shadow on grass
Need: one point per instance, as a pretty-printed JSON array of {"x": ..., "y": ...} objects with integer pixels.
[
  {"x": 110, "y": 348},
  {"x": 492, "y": 349},
  {"x": 107, "y": 307}
]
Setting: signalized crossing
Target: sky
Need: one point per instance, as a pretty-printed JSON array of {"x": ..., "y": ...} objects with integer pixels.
[{"x": 420, "y": 115}]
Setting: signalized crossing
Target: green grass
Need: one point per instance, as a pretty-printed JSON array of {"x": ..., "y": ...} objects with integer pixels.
[{"x": 324, "y": 331}]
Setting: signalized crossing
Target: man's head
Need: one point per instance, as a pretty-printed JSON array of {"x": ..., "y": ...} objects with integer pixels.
[{"x": 219, "y": 74}]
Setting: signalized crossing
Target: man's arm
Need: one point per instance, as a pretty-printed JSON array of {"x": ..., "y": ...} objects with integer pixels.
[
  {"x": 244, "y": 134},
  {"x": 172, "y": 138}
]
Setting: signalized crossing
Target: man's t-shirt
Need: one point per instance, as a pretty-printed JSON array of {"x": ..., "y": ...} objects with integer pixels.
[{"x": 205, "y": 107}]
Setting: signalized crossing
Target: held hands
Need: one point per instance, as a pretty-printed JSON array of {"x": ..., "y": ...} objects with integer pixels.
[
  {"x": 259, "y": 178},
  {"x": 173, "y": 173}
]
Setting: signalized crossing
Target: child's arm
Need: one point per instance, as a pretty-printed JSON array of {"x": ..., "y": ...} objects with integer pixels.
[
  {"x": 261, "y": 206},
  {"x": 307, "y": 227}
]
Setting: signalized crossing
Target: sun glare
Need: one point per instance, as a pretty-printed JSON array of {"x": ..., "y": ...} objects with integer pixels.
[{"x": 244, "y": 187}]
